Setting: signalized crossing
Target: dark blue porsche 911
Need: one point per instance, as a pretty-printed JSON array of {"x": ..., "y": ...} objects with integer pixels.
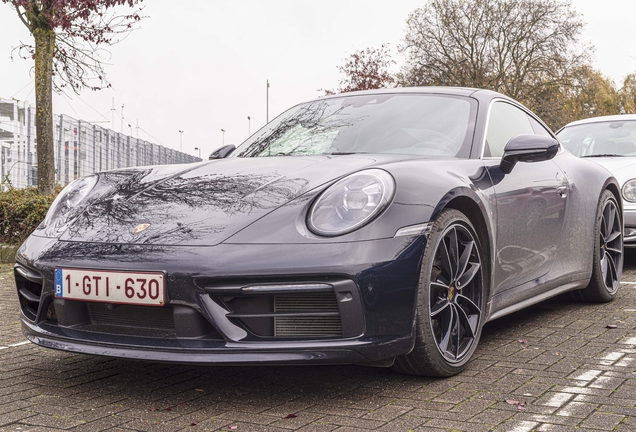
[{"x": 380, "y": 228}]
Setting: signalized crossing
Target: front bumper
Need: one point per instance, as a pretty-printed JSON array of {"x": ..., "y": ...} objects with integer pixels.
[
  {"x": 212, "y": 316},
  {"x": 356, "y": 351},
  {"x": 629, "y": 216}
]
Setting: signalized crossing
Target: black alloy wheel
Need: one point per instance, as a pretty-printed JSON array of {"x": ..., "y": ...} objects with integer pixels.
[
  {"x": 455, "y": 293},
  {"x": 607, "y": 255},
  {"x": 451, "y": 299},
  {"x": 611, "y": 246}
]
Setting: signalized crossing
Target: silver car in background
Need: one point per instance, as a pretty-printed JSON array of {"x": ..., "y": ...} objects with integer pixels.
[{"x": 611, "y": 142}]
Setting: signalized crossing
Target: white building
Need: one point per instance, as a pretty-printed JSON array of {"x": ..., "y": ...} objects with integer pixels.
[{"x": 81, "y": 148}]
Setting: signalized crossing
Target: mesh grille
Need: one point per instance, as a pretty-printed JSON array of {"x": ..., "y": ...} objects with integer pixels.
[
  {"x": 307, "y": 326},
  {"x": 132, "y": 316},
  {"x": 323, "y": 302},
  {"x": 301, "y": 327}
]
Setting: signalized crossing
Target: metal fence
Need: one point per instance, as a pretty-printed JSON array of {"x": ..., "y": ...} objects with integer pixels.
[{"x": 81, "y": 148}]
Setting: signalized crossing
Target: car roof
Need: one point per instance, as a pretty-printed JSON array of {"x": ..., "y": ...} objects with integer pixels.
[
  {"x": 601, "y": 119},
  {"x": 448, "y": 90}
]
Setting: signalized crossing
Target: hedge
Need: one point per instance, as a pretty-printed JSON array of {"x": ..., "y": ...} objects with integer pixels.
[{"x": 21, "y": 211}]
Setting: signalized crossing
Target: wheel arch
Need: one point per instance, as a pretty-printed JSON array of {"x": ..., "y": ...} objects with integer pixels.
[
  {"x": 615, "y": 190},
  {"x": 472, "y": 208},
  {"x": 475, "y": 213}
]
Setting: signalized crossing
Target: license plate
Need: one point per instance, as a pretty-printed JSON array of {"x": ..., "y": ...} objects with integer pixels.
[{"x": 140, "y": 288}]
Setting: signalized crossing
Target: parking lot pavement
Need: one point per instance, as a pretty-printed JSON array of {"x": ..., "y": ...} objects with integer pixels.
[{"x": 553, "y": 367}]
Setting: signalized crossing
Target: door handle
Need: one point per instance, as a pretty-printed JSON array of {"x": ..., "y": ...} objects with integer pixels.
[{"x": 562, "y": 191}]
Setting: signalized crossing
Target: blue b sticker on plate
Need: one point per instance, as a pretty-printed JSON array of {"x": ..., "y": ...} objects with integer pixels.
[{"x": 58, "y": 282}]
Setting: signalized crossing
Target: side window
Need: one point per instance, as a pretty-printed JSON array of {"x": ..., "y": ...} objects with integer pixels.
[
  {"x": 506, "y": 121},
  {"x": 539, "y": 129}
]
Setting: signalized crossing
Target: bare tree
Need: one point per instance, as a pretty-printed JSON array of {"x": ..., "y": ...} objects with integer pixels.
[
  {"x": 522, "y": 48},
  {"x": 67, "y": 40},
  {"x": 366, "y": 69}
]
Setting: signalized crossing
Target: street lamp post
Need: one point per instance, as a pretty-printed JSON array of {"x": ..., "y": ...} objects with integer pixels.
[
  {"x": 249, "y": 126},
  {"x": 198, "y": 148},
  {"x": 181, "y": 140},
  {"x": 267, "y": 104},
  {"x": 223, "y": 139}
]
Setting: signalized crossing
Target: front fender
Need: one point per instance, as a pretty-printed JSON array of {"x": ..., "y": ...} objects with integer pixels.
[{"x": 423, "y": 188}]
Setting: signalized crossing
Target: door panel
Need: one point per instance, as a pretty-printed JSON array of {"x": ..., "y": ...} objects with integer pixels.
[
  {"x": 531, "y": 207},
  {"x": 530, "y": 202}
]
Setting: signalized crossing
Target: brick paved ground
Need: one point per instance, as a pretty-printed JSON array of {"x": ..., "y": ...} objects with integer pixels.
[{"x": 553, "y": 367}]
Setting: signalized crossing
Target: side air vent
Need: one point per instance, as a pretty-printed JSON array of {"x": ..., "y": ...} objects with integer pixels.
[
  {"x": 29, "y": 285},
  {"x": 291, "y": 308}
]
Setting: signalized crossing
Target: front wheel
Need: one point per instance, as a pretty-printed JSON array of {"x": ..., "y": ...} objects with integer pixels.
[
  {"x": 607, "y": 258},
  {"x": 450, "y": 301}
]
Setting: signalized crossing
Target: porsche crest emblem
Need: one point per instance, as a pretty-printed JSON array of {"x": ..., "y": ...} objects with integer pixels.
[
  {"x": 451, "y": 293},
  {"x": 141, "y": 227}
]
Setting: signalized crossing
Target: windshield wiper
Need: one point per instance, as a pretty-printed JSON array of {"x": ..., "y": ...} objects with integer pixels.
[{"x": 604, "y": 155}]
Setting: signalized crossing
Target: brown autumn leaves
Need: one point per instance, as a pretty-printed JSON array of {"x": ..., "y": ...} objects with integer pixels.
[{"x": 530, "y": 50}]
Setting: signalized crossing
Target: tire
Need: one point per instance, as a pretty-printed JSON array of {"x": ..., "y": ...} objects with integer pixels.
[
  {"x": 607, "y": 259},
  {"x": 450, "y": 300}
]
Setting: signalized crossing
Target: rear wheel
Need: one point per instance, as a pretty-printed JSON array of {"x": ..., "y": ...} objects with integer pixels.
[
  {"x": 607, "y": 260},
  {"x": 451, "y": 300}
]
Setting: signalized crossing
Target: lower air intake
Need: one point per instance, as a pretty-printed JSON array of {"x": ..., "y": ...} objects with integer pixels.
[
  {"x": 315, "y": 315},
  {"x": 131, "y": 320},
  {"x": 131, "y": 316}
]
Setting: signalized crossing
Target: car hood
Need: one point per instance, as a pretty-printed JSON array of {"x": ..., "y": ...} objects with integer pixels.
[
  {"x": 201, "y": 205},
  {"x": 622, "y": 168}
]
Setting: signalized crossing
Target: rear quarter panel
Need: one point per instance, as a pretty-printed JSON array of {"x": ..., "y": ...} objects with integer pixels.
[{"x": 587, "y": 181}]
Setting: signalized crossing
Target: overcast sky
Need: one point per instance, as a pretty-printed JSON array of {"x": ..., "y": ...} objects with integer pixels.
[{"x": 201, "y": 66}]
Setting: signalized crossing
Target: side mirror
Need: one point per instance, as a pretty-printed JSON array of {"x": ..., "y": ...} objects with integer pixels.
[
  {"x": 222, "y": 152},
  {"x": 528, "y": 148}
]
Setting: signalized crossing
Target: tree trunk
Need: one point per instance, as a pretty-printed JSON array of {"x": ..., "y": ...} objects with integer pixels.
[{"x": 44, "y": 48}]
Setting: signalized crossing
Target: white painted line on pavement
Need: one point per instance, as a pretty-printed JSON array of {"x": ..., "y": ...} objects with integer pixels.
[
  {"x": 14, "y": 345},
  {"x": 19, "y": 343},
  {"x": 629, "y": 283},
  {"x": 524, "y": 426}
]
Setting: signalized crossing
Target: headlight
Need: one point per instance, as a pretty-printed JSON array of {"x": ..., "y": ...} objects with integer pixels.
[
  {"x": 351, "y": 202},
  {"x": 629, "y": 190},
  {"x": 67, "y": 204}
]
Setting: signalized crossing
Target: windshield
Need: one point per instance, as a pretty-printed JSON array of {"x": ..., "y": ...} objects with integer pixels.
[
  {"x": 422, "y": 125},
  {"x": 600, "y": 139}
]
